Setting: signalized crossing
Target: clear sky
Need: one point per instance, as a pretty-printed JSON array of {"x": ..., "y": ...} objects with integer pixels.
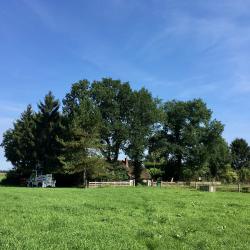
[{"x": 177, "y": 49}]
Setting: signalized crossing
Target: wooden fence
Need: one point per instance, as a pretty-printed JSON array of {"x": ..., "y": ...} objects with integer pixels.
[
  {"x": 168, "y": 183},
  {"x": 240, "y": 187},
  {"x": 183, "y": 183},
  {"x": 218, "y": 186},
  {"x": 94, "y": 184},
  {"x": 197, "y": 184}
]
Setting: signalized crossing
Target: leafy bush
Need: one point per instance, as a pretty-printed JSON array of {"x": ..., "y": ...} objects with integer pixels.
[
  {"x": 12, "y": 178},
  {"x": 112, "y": 172},
  {"x": 230, "y": 176},
  {"x": 155, "y": 173},
  {"x": 244, "y": 175},
  {"x": 195, "y": 173}
]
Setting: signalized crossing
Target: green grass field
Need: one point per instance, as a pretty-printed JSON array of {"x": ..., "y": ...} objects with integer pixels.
[{"x": 123, "y": 218}]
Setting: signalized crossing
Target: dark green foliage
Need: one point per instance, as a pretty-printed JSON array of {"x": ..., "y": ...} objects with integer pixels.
[
  {"x": 73, "y": 100},
  {"x": 81, "y": 145},
  {"x": 143, "y": 117},
  {"x": 113, "y": 98},
  {"x": 187, "y": 140},
  {"x": 184, "y": 130},
  {"x": 229, "y": 175},
  {"x": 240, "y": 152},
  {"x": 244, "y": 175},
  {"x": 218, "y": 157},
  {"x": 19, "y": 143},
  {"x": 100, "y": 120},
  {"x": 48, "y": 132},
  {"x": 156, "y": 148},
  {"x": 34, "y": 142},
  {"x": 68, "y": 180},
  {"x": 114, "y": 172},
  {"x": 155, "y": 173}
]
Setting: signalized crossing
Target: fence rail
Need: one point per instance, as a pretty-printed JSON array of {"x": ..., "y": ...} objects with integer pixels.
[
  {"x": 93, "y": 184},
  {"x": 241, "y": 187},
  {"x": 201, "y": 183},
  {"x": 184, "y": 184},
  {"x": 168, "y": 183},
  {"x": 218, "y": 186}
]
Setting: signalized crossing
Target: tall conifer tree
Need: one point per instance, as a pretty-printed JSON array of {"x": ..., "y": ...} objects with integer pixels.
[
  {"x": 19, "y": 143},
  {"x": 48, "y": 133}
]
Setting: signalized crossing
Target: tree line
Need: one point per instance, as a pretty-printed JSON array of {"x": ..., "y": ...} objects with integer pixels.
[{"x": 99, "y": 120}]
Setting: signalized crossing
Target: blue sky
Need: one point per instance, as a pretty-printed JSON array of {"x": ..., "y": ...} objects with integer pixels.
[{"x": 177, "y": 49}]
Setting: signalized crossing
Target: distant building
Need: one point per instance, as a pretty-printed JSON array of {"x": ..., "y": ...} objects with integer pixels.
[{"x": 129, "y": 167}]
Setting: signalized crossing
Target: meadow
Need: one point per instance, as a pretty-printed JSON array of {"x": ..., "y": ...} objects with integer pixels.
[{"x": 123, "y": 218}]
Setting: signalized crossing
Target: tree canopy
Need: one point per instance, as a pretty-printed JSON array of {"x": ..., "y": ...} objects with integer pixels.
[
  {"x": 81, "y": 144},
  {"x": 144, "y": 115},
  {"x": 99, "y": 121},
  {"x": 187, "y": 138},
  {"x": 20, "y": 143},
  {"x": 240, "y": 151},
  {"x": 48, "y": 131},
  {"x": 114, "y": 100}
]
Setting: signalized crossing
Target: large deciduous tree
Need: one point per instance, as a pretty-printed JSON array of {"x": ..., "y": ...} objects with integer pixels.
[
  {"x": 186, "y": 138},
  {"x": 219, "y": 158},
  {"x": 113, "y": 98},
  {"x": 217, "y": 150},
  {"x": 143, "y": 116},
  {"x": 80, "y": 92},
  {"x": 184, "y": 128},
  {"x": 240, "y": 152}
]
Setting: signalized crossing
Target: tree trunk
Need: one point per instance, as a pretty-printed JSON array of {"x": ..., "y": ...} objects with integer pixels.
[
  {"x": 137, "y": 171},
  {"x": 178, "y": 167},
  {"x": 84, "y": 178}
]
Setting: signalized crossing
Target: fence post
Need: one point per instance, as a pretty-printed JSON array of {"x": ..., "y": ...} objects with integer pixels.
[
  {"x": 132, "y": 183},
  {"x": 239, "y": 187}
]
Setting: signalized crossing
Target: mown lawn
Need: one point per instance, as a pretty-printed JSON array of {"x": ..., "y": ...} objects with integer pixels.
[{"x": 123, "y": 218}]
